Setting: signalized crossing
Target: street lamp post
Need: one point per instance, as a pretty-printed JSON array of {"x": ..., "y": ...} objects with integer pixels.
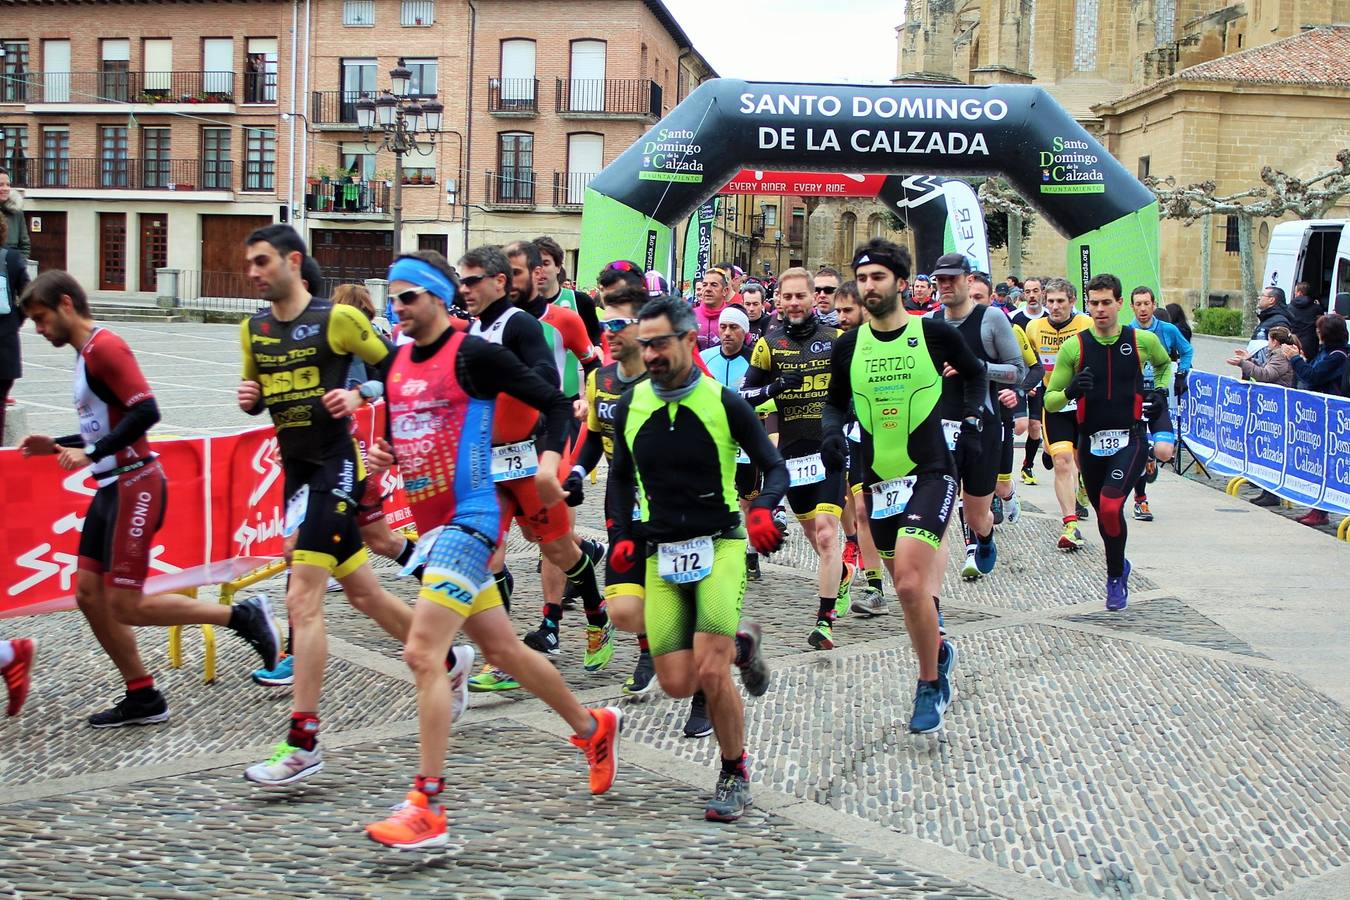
[{"x": 406, "y": 124}]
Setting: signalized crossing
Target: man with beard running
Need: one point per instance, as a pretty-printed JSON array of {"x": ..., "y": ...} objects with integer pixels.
[
  {"x": 676, "y": 439},
  {"x": 889, "y": 372},
  {"x": 116, "y": 410},
  {"x": 791, "y": 365},
  {"x": 1033, "y": 308}
]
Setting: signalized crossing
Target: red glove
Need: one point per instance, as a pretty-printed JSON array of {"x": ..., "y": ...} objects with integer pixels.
[
  {"x": 764, "y": 534},
  {"x": 622, "y": 555}
]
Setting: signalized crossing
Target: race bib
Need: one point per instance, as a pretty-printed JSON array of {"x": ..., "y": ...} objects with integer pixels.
[
  {"x": 950, "y": 429},
  {"x": 637, "y": 512},
  {"x": 422, "y": 550},
  {"x": 686, "y": 561},
  {"x": 1071, "y": 406},
  {"x": 1110, "y": 442},
  {"x": 514, "y": 461},
  {"x": 295, "y": 511},
  {"x": 854, "y": 433},
  {"x": 742, "y": 458},
  {"x": 804, "y": 470},
  {"x": 890, "y": 497}
]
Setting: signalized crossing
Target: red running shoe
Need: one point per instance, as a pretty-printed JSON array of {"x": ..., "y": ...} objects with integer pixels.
[{"x": 18, "y": 674}]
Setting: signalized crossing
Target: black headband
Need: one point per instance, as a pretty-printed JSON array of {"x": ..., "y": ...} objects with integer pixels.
[{"x": 897, "y": 267}]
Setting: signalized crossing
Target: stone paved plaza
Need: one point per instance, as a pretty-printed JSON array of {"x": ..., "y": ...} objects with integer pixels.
[{"x": 1193, "y": 745}]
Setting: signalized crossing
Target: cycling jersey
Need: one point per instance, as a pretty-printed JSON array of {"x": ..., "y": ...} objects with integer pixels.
[
  {"x": 297, "y": 362},
  {"x": 604, "y": 387},
  {"x": 584, "y": 306},
  {"x": 108, "y": 385},
  {"x": 568, "y": 336},
  {"x": 1047, "y": 337},
  {"x": 522, "y": 334},
  {"x": 787, "y": 349}
]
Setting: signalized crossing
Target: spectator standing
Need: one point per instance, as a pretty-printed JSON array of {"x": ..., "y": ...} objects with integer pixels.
[
  {"x": 1276, "y": 369},
  {"x": 1271, "y": 310},
  {"x": 1325, "y": 374},
  {"x": 1304, "y": 311},
  {"x": 15, "y": 275},
  {"x": 714, "y": 297},
  {"x": 1177, "y": 316},
  {"x": 11, "y": 204}
]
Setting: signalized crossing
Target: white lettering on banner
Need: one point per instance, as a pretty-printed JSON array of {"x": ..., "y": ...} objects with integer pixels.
[
  {"x": 64, "y": 565},
  {"x": 956, "y": 109},
  {"x": 265, "y": 462},
  {"x": 865, "y": 140},
  {"x": 262, "y": 531}
]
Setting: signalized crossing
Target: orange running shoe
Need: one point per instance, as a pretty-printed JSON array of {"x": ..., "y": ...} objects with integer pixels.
[
  {"x": 413, "y": 826},
  {"x": 602, "y": 747},
  {"x": 852, "y": 553},
  {"x": 18, "y": 674}
]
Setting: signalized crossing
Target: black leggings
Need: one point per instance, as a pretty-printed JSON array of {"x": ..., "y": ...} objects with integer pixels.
[
  {"x": 6, "y": 385},
  {"x": 1108, "y": 480}
]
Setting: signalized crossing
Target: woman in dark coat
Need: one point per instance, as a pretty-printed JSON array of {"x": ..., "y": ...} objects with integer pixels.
[{"x": 15, "y": 275}]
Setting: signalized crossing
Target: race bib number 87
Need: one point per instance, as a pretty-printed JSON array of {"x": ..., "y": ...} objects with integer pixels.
[{"x": 889, "y": 498}]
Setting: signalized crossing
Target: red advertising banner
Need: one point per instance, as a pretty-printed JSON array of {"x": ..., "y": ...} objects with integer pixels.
[
  {"x": 806, "y": 184},
  {"x": 225, "y": 503}
]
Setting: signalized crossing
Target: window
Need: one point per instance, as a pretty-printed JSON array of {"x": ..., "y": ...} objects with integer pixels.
[
  {"x": 14, "y": 88},
  {"x": 358, "y": 162},
  {"x": 423, "y": 81},
  {"x": 260, "y": 71},
  {"x": 876, "y": 226},
  {"x": 586, "y": 89},
  {"x": 518, "y": 79},
  {"x": 358, "y": 13},
  {"x": 56, "y": 156},
  {"x": 585, "y": 158},
  {"x": 849, "y": 223},
  {"x": 770, "y": 215},
  {"x": 158, "y": 56},
  {"x": 515, "y": 163},
  {"x": 112, "y": 155},
  {"x": 218, "y": 65},
  {"x": 155, "y": 157},
  {"x": 260, "y": 160},
  {"x": 418, "y": 12},
  {"x": 1085, "y": 36},
  {"x": 358, "y": 80},
  {"x": 14, "y": 152},
  {"x": 1143, "y": 167},
  {"x": 56, "y": 71},
  {"x": 419, "y": 166},
  {"x": 216, "y": 165},
  {"x": 1230, "y": 234},
  {"x": 798, "y": 226},
  {"x": 115, "y": 71}
]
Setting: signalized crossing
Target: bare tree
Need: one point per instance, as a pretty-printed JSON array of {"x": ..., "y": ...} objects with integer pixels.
[{"x": 1309, "y": 198}]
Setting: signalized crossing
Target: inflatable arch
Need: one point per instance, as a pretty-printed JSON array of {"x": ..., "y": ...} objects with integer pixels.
[{"x": 1109, "y": 218}]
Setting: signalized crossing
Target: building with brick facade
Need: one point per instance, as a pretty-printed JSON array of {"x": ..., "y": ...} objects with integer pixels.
[
  {"x": 157, "y": 135},
  {"x": 1192, "y": 89}
]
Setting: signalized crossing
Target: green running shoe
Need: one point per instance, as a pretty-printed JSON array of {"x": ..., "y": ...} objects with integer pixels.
[
  {"x": 821, "y": 637},
  {"x": 599, "y": 646},
  {"x": 492, "y": 679},
  {"x": 845, "y": 596}
]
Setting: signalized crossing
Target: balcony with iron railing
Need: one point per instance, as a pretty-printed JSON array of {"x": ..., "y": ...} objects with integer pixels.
[
  {"x": 124, "y": 174},
  {"x": 601, "y": 98},
  {"x": 118, "y": 86},
  {"x": 569, "y": 188},
  {"x": 513, "y": 96},
  {"x": 511, "y": 188},
  {"x": 335, "y": 108},
  {"x": 347, "y": 198}
]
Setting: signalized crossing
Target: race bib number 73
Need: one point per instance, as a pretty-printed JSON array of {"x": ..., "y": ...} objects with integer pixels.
[{"x": 514, "y": 461}]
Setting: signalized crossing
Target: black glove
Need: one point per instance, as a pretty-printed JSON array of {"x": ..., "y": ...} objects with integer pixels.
[
  {"x": 1081, "y": 384},
  {"x": 1180, "y": 385},
  {"x": 1155, "y": 403},
  {"x": 788, "y": 381},
  {"x": 573, "y": 488},
  {"x": 967, "y": 443},
  {"x": 834, "y": 452}
]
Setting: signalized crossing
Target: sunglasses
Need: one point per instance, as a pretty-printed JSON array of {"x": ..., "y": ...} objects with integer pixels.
[
  {"x": 469, "y": 281},
  {"x": 615, "y": 325},
  {"x": 408, "y": 296},
  {"x": 826, "y": 289},
  {"x": 622, "y": 265},
  {"x": 661, "y": 341}
]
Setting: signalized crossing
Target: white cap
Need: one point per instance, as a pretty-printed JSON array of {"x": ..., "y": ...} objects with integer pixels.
[{"x": 736, "y": 316}]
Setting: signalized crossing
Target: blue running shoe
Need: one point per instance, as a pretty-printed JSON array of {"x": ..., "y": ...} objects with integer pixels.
[
  {"x": 1118, "y": 590},
  {"x": 942, "y": 625},
  {"x": 946, "y": 662},
  {"x": 281, "y": 676},
  {"x": 928, "y": 707},
  {"x": 986, "y": 555}
]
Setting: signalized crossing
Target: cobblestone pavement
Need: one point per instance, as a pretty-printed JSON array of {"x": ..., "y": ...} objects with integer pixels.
[{"x": 1147, "y": 753}]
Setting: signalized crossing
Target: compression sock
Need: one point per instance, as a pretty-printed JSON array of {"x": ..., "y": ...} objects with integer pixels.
[
  {"x": 739, "y": 766},
  {"x": 553, "y": 613},
  {"x": 304, "y": 730},
  {"x": 826, "y": 612},
  {"x": 643, "y": 646},
  {"x": 142, "y": 688},
  {"x": 582, "y": 577},
  {"x": 1033, "y": 444},
  {"x": 873, "y": 579}
]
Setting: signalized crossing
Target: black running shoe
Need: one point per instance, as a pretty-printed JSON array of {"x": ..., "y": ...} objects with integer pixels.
[
  {"x": 752, "y": 572},
  {"x": 643, "y": 678},
  {"x": 699, "y": 725},
  {"x": 259, "y": 628},
  {"x": 544, "y": 638},
  {"x": 133, "y": 712},
  {"x": 730, "y": 799},
  {"x": 755, "y": 672}
]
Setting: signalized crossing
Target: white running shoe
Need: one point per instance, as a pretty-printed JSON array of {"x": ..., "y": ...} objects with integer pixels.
[
  {"x": 287, "y": 766},
  {"x": 459, "y": 680}
]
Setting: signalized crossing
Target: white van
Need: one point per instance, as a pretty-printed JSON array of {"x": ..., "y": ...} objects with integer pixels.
[{"x": 1316, "y": 251}]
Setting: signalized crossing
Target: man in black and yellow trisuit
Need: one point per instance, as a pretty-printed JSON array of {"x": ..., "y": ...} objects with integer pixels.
[
  {"x": 890, "y": 370},
  {"x": 791, "y": 365},
  {"x": 296, "y": 355},
  {"x": 1101, "y": 372},
  {"x": 676, "y": 439}
]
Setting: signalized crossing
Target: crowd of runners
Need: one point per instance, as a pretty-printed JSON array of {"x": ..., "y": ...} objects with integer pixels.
[{"x": 871, "y": 410}]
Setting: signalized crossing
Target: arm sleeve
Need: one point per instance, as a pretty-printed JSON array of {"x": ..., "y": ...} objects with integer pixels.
[
  {"x": 524, "y": 336},
  {"x": 951, "y": 348},
  {"x": 113, "y": 374},
  {"x": 589, "y": 318},
  {"x": 620, "y": 489},
  {"x": 1010, "y": 368},
  {"x": 491, "y": 369},
  {"x": 134, "y": 425},
  {"x": 1066, "y": 366},
  {"x": 747, "y": 431},
  {"x": 760, "y": 374},
  {"x": 575, "y": 338},
  {"x": 1035, "y": 371},
  {"x": 1156, "y": 353},
  {"x": 839, "y": 399}
]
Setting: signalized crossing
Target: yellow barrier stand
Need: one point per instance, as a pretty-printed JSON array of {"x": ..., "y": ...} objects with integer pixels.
[
  {"x": 1234, "y": 485},
  {"x": 1343, "y": 530}
]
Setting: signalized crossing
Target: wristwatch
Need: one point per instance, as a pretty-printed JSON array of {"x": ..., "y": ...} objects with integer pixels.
[
  {"x": 974, "y": 421},
  {"x": 89, "y": 450},
  {"x": 370, "y": 390}
]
